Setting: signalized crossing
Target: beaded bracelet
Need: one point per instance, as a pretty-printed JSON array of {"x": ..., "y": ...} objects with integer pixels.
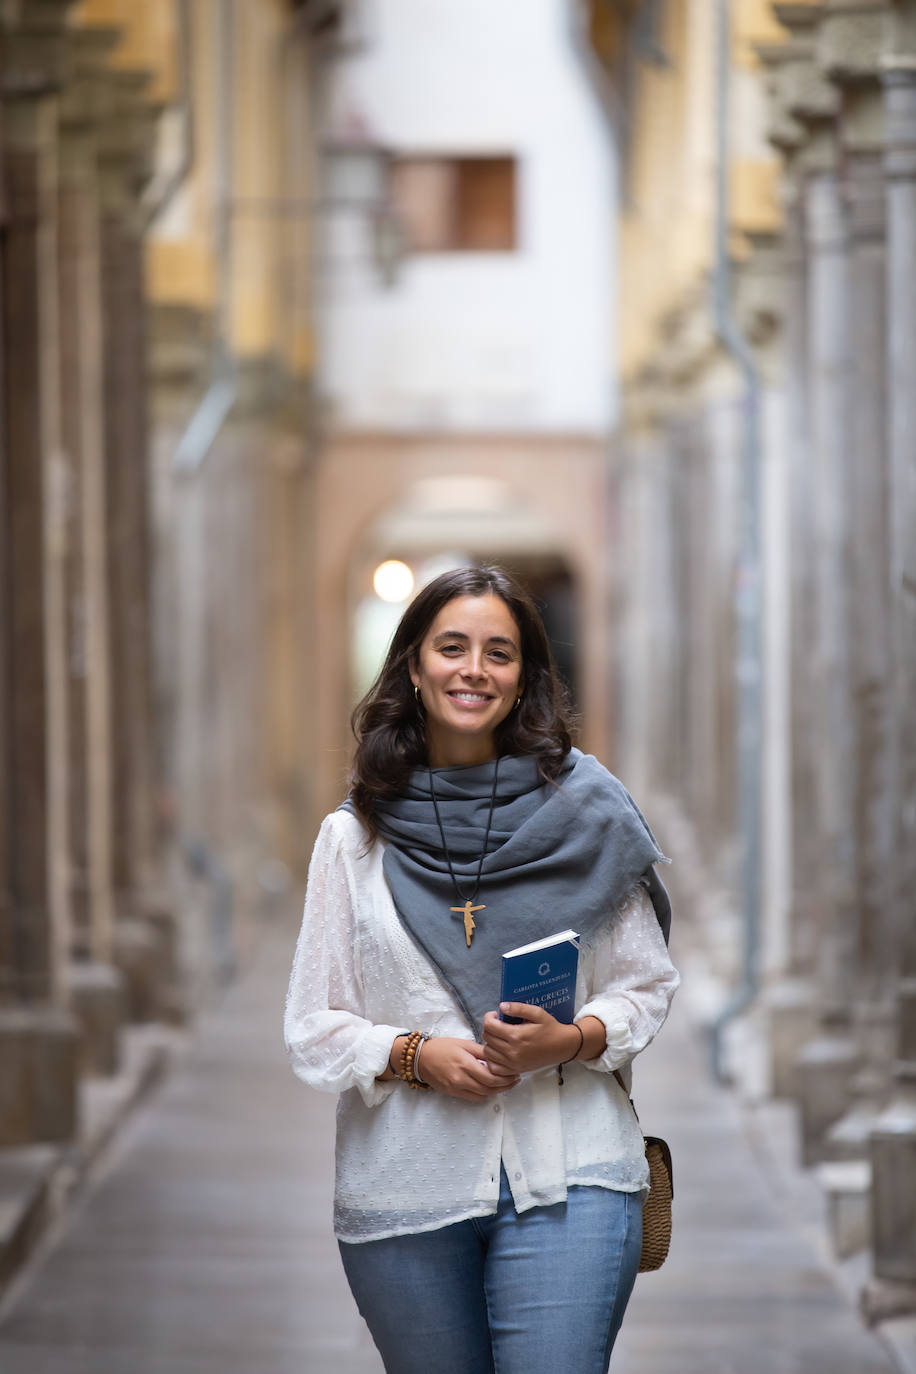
[
  {"x": 416, "y": 1062},
  {"x": 415, "y": 1080},
  {"x": 561, "y": 1067},
  {"x": 405, "y": 1069}
]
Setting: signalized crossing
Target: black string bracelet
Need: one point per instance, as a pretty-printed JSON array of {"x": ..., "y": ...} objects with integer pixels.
[{"x": 561, "y": 1067}]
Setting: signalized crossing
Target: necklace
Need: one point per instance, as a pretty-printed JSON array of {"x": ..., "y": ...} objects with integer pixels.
[{"x": 468, "y": 908}]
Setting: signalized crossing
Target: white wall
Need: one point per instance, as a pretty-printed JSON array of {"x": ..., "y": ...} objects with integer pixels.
[{"x": 490, "y": 341}]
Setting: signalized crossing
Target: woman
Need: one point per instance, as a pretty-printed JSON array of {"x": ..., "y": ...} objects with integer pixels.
[{"x": 488, "y": 1203}]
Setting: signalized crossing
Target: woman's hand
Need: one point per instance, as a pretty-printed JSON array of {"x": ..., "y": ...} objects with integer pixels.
[
  {"x": 458, "y": 1069},
  {"x": 540, "y": 1041}
]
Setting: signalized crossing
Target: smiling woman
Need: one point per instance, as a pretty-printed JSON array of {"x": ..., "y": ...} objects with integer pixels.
[
  {"x": 468, "y": 676},
  {"x": 420, "y": 705},
  {"x": 487, "y": 1207}
]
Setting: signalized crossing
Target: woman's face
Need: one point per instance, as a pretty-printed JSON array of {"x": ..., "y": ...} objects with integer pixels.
[{"x": 469, "y": 672}]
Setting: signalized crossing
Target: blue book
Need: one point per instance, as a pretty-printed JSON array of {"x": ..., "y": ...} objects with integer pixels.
[{"x": 543, "y": 974}]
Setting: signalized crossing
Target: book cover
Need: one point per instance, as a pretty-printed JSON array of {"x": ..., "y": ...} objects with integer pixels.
[{"x": 543, "y": 974}]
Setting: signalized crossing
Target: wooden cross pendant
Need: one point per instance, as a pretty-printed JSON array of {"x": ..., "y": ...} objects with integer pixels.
[{"x": 468, "y": 912}]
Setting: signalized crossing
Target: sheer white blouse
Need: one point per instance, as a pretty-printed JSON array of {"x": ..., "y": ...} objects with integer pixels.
[{"x": 413, "y": 1161}]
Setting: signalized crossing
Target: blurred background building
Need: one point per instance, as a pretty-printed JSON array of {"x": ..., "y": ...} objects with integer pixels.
[
  {"x": 464, "y": 362},
  {"x": 622, "y": 294}
]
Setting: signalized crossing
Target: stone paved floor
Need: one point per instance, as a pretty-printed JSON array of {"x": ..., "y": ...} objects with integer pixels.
[{"x": 205, "y": 1247}]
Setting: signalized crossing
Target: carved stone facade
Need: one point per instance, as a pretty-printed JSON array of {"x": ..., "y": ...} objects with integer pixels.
[
  {"x": 853, "y": 95},
  {"x": 154, "y": 631},
  {"x": 831, "y": 975},
  {"x": 37, "y": 1079},
  {"x": 74, "y": 516}
]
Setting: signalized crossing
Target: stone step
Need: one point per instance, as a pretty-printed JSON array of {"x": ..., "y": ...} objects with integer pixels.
[
  {"x": 38, "y": 1182},
  {"x": 847, "y": 1189}
]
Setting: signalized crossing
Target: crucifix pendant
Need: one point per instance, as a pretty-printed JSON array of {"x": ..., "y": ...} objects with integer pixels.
[{"x": 468, "y": 912}]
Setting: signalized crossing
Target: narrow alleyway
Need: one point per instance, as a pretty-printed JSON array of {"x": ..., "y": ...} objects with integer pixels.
[{"x": 206, "y": 1247}]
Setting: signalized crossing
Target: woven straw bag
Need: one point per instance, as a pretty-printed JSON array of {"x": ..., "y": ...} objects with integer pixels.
[{"x": 656, "y": 1214}]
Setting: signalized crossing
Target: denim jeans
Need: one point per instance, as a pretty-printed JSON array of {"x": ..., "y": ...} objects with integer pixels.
[{"x": 513, "y": 1293}]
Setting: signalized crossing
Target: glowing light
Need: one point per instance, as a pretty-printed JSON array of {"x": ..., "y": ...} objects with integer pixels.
[{"x": 392, "y": 580}]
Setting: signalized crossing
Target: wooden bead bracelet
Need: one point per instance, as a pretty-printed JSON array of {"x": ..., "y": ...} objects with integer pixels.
[{"x": 406, "y": 1066}]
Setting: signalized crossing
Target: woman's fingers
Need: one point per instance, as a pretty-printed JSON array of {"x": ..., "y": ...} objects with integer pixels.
[
  {"x": 538, "y": 1041},
  {"x": 482, "y": 1073},
  {"x": 524, "y": 1011},
  {"x": 501, "y": 1035},
  {"x": 459, "y": 1069}
]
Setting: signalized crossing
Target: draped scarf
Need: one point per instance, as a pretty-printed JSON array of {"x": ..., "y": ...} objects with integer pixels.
[{"x": 561, "y": 854}]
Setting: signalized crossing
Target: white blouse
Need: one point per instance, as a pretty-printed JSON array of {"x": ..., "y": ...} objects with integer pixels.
[{"x": 413, "y": 1161}]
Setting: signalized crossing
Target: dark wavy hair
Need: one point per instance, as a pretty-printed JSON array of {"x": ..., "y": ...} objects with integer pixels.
[{"x": 390, "y": 726}]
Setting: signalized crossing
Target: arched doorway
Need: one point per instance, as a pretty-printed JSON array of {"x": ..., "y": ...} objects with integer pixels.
[
  {"x": 447, "y": 522},
  {"x": 537, "y": 508}
]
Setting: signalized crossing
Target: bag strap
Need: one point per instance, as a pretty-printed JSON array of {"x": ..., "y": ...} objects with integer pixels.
[
  {"x": 652, "y": 1139},
  {"x": 619, "y": 1077}
]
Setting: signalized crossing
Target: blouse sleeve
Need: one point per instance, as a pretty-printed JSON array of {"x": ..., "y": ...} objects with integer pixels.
[
  {"x": 331, "y": 1043},
  {"x": 633, "y": 983}
]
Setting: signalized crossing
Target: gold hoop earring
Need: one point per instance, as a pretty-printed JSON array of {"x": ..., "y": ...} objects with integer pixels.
[
  {"x": 416, "y": 692},
  {"x": 517, "y": 700}
]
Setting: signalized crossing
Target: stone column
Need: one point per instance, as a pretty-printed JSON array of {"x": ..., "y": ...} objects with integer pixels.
[
  {"x": 790, "y": 999},
  {"x": 7, "y": 939},
  {"x": 697, "y": 459},
  {"x": 144, "y": 932},
  {"x": 848, "y": 49},
  {"x": 627, "y": 574},
  {"x": 893, "y": 1142},
  {"x": 37, "y": 1039},
  {"x": 826, "y": 1064},
  {"x": 791, "y": 1002},
  {"x": 664, "y": 768},
  {"x": 717, "y": 528},
  {"x": 851, "y": 40},
  {"x": 95, "y": 987},
  {"x": 638, "y": 566},
  {"x": 870, "y": 631}
]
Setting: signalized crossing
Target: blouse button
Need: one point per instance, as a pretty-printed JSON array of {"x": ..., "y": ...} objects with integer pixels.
[
  {"x": 496, "y": 1107},
  {"x": 517, "y": 1176}
]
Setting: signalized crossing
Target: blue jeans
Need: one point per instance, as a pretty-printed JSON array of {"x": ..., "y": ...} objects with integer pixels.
[{"x": 528, "y": 1293}]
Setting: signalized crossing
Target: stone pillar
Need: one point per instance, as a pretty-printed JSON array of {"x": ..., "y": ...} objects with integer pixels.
[
  {"x": 627, "y": 582},
  {"x": 804, "y": 110},
  {"x": 893, "y": 1142},
  {"x": 7, "y": 938},
  {"x": 790, "y": 999},
  {"x": 829, "y": 366},
  {"x": 826, "y": 1064},
  {"x": 144, "y": 931},
  {"x": 664, "y": 767},
  {"x": 639, "y": 563},
  {"x": 697, "y": 462},
  {"x": 95, "y": 988},
  {"x": 848, "y": 49},
  {"x": 722, "y": 437},
  {"x": 37, "y": 1039},
  {"x": 862, "y": 132},
  {"x": 900, "y": 163}
]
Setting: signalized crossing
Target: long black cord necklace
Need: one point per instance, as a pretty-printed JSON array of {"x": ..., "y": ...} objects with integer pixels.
[{"x": 468, "y": 908}]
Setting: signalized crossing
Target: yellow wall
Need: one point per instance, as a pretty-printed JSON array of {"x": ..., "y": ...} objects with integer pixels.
[
  {"x": 258, "y": 156},
  {"x": 754, "y": 22},
  {"x": 666, "y": 227},
  {"x": 268, "y": 310},
  {"x": 668, "y": 217},
  {"x": 148, "y": 37}
]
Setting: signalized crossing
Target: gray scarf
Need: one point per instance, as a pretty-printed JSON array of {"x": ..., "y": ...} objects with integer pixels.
[{"x": 561, "y": 854}]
